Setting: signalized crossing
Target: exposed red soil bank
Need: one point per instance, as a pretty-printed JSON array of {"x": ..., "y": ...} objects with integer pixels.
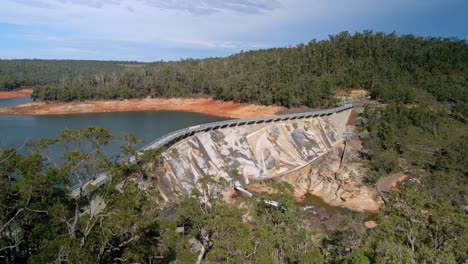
[
  {"x": 16, "y": 94},
  {"x": 203, "y": 106}
]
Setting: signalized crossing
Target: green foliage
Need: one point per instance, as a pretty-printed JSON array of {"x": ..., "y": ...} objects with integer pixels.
[
  {"x": 361, "y": 255},
  {"x": 28, "y": 190},
  {"x": 391, "y": 252},
  {"x": 42, "y": 222},
  {"x": 392, "y": 67},
  {"x": 449, "y": 177},
  {"x": 395, "y": 93},
  {"x": 346, "y": 239},
  {"x": 453, "y": 158},
  {"x": 18, "y": 73},
  {"x": 257, "y": 233},
  {"x": 395, "y": 131},
  {"x": 422, "y": 228},
  {"x": 424, "y": 222}
]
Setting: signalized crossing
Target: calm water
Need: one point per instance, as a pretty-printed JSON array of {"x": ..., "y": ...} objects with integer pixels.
[
  {"x": 149, "y": 125},
  {"x": 15, "y": 101}
]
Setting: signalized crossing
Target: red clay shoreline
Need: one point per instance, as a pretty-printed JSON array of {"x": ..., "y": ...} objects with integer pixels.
[
  {"x": 23, "y": 93},
  {"x": 194, "y": 105}
]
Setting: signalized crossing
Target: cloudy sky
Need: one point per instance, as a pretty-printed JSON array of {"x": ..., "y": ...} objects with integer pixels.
[{"x": 152, "y": 30}]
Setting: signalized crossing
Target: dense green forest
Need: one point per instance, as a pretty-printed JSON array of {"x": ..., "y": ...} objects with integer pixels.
[
  {"x": 125, "y": 221},
  {"x": 392, "y": 67},
  {"x": 15, "y": 74}
]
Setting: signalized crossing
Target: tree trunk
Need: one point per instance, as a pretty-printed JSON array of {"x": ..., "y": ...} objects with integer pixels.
[{"x": 201, "y": 254}]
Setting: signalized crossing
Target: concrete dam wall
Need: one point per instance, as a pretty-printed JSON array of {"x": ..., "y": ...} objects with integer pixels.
[
  {"x": 268, "y": 148},
  {"x": 305, "y": 150}
]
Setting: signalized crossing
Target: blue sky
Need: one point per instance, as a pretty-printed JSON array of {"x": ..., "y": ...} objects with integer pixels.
[{"x": 153, "y": 30}]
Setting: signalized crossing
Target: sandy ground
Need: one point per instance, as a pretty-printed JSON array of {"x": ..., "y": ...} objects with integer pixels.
[
  {"x": 16, "y": 94},
  {"x": 203, "y": 106}
]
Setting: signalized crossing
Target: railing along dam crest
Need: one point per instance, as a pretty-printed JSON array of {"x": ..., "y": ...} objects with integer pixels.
[{"x": 172, "y": 138}]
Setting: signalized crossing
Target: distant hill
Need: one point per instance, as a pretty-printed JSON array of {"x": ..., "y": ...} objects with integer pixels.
[
  {"x": 25, "y": 72},
  {"x": 394, "y": 68}
]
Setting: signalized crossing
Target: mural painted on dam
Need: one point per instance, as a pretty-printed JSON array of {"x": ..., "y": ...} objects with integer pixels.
[{"x": 256, "y": 151}]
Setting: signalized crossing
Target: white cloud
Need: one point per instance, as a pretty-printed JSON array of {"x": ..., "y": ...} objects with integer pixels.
[
  {"x": 213, "y": 6},
  {"x": 202, "y": 23},
  {"x": 34, "y": 3},
  {"x": 75, "y": 50},
  {"x": 216, "y": 44},
  {"x": 231, "y": 25},
  {"x": 192, "y": 6}
]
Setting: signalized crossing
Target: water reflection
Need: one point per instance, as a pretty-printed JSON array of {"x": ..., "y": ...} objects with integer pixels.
[
  {"x": 149, "y": 125},
  {"x": 15, "y": 101}
]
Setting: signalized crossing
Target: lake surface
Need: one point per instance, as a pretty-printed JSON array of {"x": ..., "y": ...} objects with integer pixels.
[
  {"x": 14, "y": 101},
  {"x": 147, "y": 125}
]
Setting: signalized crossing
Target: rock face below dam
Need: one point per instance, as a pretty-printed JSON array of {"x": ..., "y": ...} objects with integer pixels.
[{"x": 306, "y": 152}]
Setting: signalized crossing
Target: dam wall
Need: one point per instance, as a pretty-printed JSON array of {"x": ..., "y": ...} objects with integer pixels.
[
  {"x": 305, "y": 150},
  {"x": 249, "y": 151}
]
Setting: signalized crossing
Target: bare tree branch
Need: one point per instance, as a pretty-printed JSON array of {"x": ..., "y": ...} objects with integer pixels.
[
  {"x": 11, "y": 220},
  {"x": 11, "y": 247},
  {"x": 12, "y": 153}
]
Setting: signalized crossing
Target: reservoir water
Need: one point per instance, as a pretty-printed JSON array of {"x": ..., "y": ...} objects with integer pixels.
[
  {"x": 14, "y": 101},
  {"x": 147, "y": 125}
]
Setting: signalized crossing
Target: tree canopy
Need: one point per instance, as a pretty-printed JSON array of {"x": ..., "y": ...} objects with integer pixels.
[
  {"x": 126, "y": 221},
  {"x": 392, "y": 67}
]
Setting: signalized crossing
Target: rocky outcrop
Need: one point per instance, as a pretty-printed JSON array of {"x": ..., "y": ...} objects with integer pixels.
[
  {"x": 308, "y": 153},
  {"x": 334, "y": 185}
]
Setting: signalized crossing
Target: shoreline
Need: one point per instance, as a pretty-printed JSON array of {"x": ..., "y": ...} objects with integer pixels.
[
  {"x": 22, "y": 93},
  {"x": 199, "y": 105}
]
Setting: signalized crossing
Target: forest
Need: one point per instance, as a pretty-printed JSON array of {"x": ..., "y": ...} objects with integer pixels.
[
  {"x": 419, "y": 128},
  {"x": 15, "y": 74},
  {"x": 125, "y": 221},
  {"x": 392, "y": 67}
]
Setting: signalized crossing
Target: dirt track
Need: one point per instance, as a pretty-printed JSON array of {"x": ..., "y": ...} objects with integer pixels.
[
  {"x": 387, "y": 185},
  {"x": 16, "y": 94},
  {"x": 204, "y": 106}
]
